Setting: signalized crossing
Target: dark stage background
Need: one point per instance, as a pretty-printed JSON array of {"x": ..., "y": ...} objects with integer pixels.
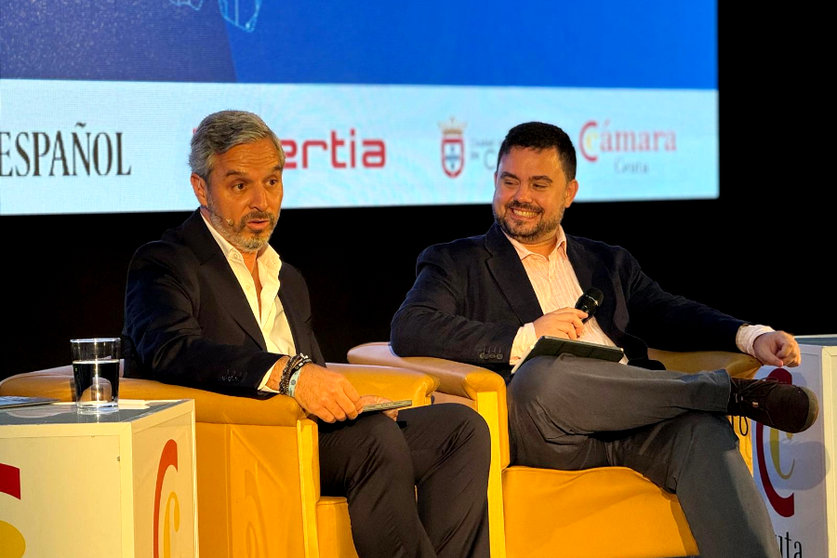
[{"x": 762, "y": 252}]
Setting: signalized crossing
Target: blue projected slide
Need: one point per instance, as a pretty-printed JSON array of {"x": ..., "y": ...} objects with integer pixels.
[{"x": 377, "y": 103}]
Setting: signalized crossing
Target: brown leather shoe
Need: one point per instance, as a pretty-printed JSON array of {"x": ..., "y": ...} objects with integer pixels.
[{"x": 781, "y": 406}]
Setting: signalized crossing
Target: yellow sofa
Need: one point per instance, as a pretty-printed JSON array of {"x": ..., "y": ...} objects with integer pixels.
[
  {"x": 607, "y": 512},
  {"x": 257, "y": 461}
]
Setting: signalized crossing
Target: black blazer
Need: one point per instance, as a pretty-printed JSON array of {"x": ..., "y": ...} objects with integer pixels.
[
  {"x": 187, "y": 320},
  {"x": 471, "y": 296}
]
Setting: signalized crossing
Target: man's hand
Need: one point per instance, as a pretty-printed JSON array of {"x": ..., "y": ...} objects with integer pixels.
[
  {"x": 564, "y": 323},
  {"x": 777, "y": 348},
  {"x": 326, "y": 394}
]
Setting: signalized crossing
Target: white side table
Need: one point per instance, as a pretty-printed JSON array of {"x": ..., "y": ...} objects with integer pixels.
[
  {"x": 117, "y": 485},
  {"x": 796, "y": 472}
]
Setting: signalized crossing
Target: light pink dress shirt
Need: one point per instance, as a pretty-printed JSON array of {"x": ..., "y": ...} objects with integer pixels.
[{"x": 556, "y": 286}]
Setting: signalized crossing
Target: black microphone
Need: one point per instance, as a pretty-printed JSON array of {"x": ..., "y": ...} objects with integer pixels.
[{"x": 589, "y": 302}]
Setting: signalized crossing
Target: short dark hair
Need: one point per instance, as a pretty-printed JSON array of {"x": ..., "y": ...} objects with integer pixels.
[{"x": 538, "y": 136}]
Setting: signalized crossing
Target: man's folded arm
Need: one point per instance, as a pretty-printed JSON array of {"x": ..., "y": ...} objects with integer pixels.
[{"x": 673, "y": 322}]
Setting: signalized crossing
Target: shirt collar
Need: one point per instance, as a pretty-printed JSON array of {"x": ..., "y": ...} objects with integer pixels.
[
  {"x": 560, "y": 249},
  {"x": 268, "y": 257}
]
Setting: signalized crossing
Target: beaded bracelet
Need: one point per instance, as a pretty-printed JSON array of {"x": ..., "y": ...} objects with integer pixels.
[
  {"x": 286, "y": 376},
  {"x": 294, "y": 364}
]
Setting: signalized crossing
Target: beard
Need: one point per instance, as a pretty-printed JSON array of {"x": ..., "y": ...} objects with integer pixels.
[
  {"x": 527, "y": 233},
  {"x": 238, "y": 235}
]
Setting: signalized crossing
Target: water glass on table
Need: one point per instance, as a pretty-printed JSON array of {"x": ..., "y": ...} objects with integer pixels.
[{"x": 96, "y": 374}]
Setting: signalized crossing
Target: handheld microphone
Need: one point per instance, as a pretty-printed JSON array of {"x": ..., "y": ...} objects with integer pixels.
[{"x": 589, "y": 302}]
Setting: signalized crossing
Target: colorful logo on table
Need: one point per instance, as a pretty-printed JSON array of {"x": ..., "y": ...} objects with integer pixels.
[
  {"x": 13, "y": 544},
  {"x": 783, "y": 505},
  {"x": 171, "y": 510}
]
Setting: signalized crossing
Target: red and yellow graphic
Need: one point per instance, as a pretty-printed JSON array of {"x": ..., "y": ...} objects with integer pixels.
[
  {"x": 14, "y": 545},
  {"x": 171, "y": 519},
  {"x": 783, "y": 505}
]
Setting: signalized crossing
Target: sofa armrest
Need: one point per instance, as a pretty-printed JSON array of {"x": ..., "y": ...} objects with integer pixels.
[
  {"x": 455, "y": 378},
  {"x": 392, "y": 382},
  {"x": 211, "y": 407},
  {"x": 738, "y": 365}
]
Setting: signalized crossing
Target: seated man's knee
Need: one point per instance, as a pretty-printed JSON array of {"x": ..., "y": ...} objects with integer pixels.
[
  {"x": 685, "y": 446},
  {"x": 707, "y": 424},
  {"x": 532, "y": 378},
  {"x": 382, "y": 442},
  {"x": 705, "y": 432},
  {"x": 471, "y": 427}
]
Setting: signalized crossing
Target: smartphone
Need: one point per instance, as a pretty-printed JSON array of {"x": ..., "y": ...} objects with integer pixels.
[{"x": 387, "y": 405}]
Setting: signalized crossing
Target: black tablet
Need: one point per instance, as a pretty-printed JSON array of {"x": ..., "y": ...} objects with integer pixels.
[{"x": 554, "y": 346}]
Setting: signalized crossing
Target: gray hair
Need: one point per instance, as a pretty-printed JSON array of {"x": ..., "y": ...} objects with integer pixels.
[{"x": 221, "y": 131}]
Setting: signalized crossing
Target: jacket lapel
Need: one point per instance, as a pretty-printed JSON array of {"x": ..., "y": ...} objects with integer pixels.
[
  {"x": 294, "y": 320},
  {"x": 198, "y": 237},
  {"x": 580, "y": 264},
  {"x": 601, "y": 277},
  {"x": 507, "y": 270}
]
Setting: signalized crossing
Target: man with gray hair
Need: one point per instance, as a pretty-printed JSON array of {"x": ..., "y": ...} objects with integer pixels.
[{"x": 211, "y": 305}]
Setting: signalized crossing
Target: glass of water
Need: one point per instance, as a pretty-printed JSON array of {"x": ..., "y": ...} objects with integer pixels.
[{"x": 96, "y": 374}]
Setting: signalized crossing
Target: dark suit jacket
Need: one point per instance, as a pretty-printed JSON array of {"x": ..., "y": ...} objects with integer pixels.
[
  {"x": 187, "y": 320},
  {"x": 471, "y": 296}
]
